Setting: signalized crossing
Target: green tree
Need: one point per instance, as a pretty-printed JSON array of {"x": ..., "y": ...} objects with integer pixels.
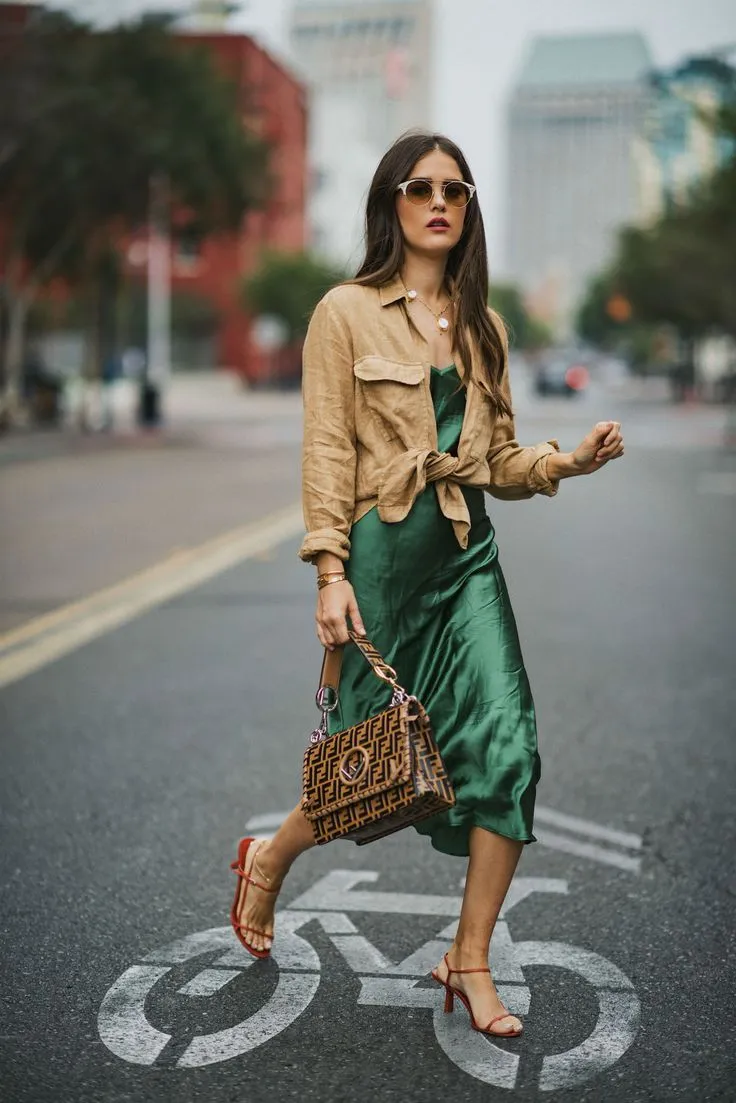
[
  {"x": 525, "y": 331},
  {"x": 682, "y": 270},
  {"x": 604, "y": 319},
  {"x": 288, "y": 286},
  {"x": 109, "y": 114},
  {"x": 594, "y": 322}
]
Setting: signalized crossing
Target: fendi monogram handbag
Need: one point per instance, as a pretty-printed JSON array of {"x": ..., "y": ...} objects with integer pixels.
[{"x": 378, "y": 776}]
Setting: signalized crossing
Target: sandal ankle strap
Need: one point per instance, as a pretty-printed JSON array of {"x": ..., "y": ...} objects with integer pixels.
[
  {"x": 251, "y": 880},
  {"x": 450, "y": 970}
]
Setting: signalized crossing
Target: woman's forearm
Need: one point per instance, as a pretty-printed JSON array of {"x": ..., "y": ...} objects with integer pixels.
[
  {"x": 326, "y": 562},
  {"x": 560, "y": 465}
]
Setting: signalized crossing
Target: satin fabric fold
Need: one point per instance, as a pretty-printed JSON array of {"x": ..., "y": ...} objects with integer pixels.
[{"x": 441, "y": 616}]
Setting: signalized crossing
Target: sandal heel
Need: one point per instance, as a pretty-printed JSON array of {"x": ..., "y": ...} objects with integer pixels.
[{"x": 449, "y": 1000}]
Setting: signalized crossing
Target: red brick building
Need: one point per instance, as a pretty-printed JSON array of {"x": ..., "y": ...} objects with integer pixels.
[{"x": 274, "y": 107}]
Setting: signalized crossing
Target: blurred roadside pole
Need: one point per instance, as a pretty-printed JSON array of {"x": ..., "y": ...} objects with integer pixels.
[
  {"x": 269, "y": 335},
  {"x": 157, "y": 371}
]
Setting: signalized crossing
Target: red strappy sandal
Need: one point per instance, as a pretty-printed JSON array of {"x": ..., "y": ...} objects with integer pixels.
[
  {"x": 451, "y": 992},
  {"x": 239, "y": 866}
]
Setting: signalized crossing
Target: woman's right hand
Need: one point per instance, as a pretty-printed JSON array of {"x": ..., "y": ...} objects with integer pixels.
[{"x": 335, "y": 603}]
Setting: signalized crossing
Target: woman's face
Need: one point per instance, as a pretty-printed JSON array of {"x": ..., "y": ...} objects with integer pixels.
[{"x": 435, "y": 228}]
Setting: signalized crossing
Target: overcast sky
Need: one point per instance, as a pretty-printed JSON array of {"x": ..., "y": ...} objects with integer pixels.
[{"x": 478, "y": 48}]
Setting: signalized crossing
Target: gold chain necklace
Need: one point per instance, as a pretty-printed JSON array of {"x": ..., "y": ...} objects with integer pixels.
[{"x": 440, "y": 321}]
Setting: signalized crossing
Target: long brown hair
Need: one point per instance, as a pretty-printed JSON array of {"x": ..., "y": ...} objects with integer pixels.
[{"x": 467, "y": 262}]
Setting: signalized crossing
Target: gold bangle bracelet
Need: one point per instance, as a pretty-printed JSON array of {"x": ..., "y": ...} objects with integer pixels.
[{"x": 322, "y": 582}]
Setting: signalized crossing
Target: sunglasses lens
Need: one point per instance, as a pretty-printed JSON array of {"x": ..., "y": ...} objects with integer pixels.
[
  {"x": 419, "y": 191},
  {"x": 456, "y": 194}
]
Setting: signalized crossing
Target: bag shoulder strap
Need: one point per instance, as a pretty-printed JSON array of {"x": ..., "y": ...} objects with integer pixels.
[{"x": 329, "y": 677}]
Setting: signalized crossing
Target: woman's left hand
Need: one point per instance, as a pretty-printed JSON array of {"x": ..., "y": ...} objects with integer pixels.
[{"x": 603, "y": 443}]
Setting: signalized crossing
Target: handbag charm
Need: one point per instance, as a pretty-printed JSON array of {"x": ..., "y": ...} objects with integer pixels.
[{"x": 377, "y": 776}]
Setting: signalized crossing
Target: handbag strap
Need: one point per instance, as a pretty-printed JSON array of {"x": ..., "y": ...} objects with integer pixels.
[{"x": 329, "y": 678}]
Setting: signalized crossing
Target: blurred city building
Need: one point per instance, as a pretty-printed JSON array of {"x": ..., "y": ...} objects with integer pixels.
[
  {"x": 368, "y": 65},
  {"x": 576, "y": 108},
  {"x": 678, "y": 146}
]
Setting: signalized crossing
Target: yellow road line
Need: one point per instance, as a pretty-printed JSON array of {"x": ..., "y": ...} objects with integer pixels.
[
  {"x": 49, "y": 637},
  {"x": 40, "y": 625}
]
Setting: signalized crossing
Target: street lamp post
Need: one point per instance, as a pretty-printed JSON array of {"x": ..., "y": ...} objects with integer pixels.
[{"x": 158, "y": 359}]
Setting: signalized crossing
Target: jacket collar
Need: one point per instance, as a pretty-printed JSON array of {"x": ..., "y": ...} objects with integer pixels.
[
  {"x": 394, "y": 290},
  {"x": 391, "y": 292}
]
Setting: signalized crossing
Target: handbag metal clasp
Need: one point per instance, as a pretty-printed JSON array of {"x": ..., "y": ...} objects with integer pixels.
[
  {"x": 400, "y": 696},
  {"x": 327, "y": 701}
]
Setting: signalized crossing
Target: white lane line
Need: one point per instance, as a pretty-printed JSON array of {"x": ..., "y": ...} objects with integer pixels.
[
  {"x": 586, "y": 827},
  {"x": 270, "y": 820},
  {"x": 266, "y": 825},
  {"x": 27, "y": 649},
  {"x": 595, "y": 853}
]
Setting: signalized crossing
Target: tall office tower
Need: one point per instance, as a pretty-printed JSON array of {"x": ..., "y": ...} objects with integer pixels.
[
  {"x": 577, "y": 106},
  {"x": 367, "y": 64}
]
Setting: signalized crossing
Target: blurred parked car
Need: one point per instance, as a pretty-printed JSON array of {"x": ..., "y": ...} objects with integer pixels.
[{"x": 561, "y": 374}]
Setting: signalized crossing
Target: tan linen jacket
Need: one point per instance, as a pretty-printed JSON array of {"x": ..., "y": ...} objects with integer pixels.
[{"x": 370, "y": 436}]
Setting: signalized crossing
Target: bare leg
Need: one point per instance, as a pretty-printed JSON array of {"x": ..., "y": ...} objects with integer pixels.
[
  {"x": 493, "y": 860},
  {"x": 269, "y": 861}
]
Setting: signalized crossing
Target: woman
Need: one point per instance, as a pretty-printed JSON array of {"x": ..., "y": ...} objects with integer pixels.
[{"x": 407, "y": 420}]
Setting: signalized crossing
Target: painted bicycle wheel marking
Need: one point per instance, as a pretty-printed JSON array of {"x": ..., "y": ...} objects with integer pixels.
[{"x": 126, "y": 1031}]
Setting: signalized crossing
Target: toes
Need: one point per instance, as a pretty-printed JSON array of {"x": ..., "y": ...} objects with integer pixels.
[{"x": 509, "y": 1025}]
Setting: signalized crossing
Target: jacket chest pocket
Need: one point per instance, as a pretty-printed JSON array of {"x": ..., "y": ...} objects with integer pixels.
[{"x": 394, "y": 394}]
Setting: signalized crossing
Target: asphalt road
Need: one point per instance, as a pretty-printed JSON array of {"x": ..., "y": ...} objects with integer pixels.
[{"x": 131, "y": 766}]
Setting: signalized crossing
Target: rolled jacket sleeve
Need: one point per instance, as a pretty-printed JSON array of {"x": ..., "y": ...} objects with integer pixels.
[
  {"x": 328, "y": 450},
  {"x": 518, "y": 471}
]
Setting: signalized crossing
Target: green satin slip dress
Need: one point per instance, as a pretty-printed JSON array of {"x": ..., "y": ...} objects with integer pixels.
[{"x": 441, "y": 616}]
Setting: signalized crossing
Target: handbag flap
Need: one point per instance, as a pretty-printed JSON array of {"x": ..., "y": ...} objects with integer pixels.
[{"x": 370, "y": 758}]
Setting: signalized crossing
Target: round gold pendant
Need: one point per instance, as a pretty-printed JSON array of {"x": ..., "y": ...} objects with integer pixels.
[{"x": 443, "y": 324}]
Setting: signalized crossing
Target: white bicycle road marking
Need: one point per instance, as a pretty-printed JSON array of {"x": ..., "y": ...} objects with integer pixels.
[{"x": 126, "y": 1031}]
